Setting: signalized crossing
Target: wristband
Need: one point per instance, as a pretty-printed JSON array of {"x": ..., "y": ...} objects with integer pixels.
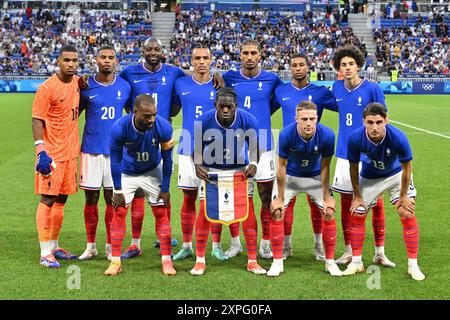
[
  {"x": 118, "y": 191},
  {"x": 40, "y": 146}
]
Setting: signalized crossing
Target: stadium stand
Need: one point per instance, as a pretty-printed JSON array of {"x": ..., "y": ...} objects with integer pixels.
[
  {"x": 413, "y": 46},
  {"x": 280, "y": 36}
]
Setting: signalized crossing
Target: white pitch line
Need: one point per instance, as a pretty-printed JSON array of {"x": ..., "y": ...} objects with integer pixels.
[{"x": 420, "y": 129}]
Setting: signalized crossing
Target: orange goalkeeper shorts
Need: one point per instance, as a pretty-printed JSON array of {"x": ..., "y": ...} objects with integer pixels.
[{"x": 62, "y": 181}]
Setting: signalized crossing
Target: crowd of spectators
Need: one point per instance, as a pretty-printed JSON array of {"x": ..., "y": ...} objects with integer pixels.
[
  {"x": 30, "y": 39},
  {"x": 280, "y": 36},
  {"x": 414, "y": 46}
]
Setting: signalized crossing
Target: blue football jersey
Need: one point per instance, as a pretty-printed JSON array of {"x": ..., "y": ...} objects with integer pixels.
[
  {"x": 225, "y": 148},
  {"x": 158, "y": 84},
  {"x": 304, "y": 157},
  {"x": 255, "y": 95},
  {"x": 288, "y": 96},
  {"x": 103, "y": 105},
  {"x": 351, "y": 104},
  {"x": 195, "y": 99},
  {"x": 379, "y": 160},
  {"x": 137, "y": 152}
]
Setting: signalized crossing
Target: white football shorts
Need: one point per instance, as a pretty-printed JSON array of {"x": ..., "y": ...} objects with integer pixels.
[{"x": 95, "y": 172}]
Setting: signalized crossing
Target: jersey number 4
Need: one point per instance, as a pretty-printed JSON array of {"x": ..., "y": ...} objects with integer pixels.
[{"x": 247, "y": 102}]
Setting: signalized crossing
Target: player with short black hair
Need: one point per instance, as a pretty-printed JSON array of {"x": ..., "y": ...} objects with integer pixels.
[
  {"x": 141, "y": 147},
  {"x": 55, "y": 133},
  {"x": 104, "y": 101},
  {"x": 386, "y": 158}
]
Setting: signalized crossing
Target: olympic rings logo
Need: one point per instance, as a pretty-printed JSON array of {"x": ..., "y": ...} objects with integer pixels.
[{"x": 428, "y": 86}]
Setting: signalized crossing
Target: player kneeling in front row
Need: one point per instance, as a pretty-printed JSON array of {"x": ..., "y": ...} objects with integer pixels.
[
  {"x": 386, "y": 166},
  {"x": 138, "y": 143},
  {"x": 305, "y": 151},
  {"x": 225, "y": 139}
]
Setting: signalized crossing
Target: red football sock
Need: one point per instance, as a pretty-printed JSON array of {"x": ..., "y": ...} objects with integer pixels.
[
  {"x": 201, "y": 232},
  {"x": 289, "y": 218},
  {"x": 91, "y": 221},
  {"x": 379, "y": 223},
  {"x": 316, "y": 217},
  {"x": 109, "y": 214},
  {"x": 346, "y": 202},
  {"x": 329, "y": 233},
  {"x": 265, "y": 222},
  {"x": 169, "y": 210},
  {"x": 234, "y": 229},
  {"x": 250, "y": 227},
  {"x": 358, "y": 233},
  {"x": 411, "y": 236},
  {"x": 188, "y": 211},
  {"x": 163, "y": 230},
  {"x": 277, "y": 238},
  {"x": 216, "y": 231},
  {"x": 118, "y": 229},
  {"x": 137, "y": 216}
]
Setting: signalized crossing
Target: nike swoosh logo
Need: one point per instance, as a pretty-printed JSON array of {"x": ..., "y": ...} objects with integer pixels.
[
  {"x": 129, "y": 143},
  {"x": 284, "y": 99},
  {"x": 234, "y": 84},
  {"x": 92, "y": 97},
  {"x": 185, "y": 93},
  {"x": 136, "y": 81},
  {"x": 337, "y": 100}
]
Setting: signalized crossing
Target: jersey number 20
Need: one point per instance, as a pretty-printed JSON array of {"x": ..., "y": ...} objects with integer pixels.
[{"x": 108, "y": 113}]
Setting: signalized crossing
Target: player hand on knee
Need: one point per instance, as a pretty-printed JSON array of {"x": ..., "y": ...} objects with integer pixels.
[
  {"x": 164, "y": 196},
  {"x": 251, "y": 169},
  {"x": 276, "y": 204},
  {"x": 118, "y": 199},
  {"x": 358, "y": 206},
  {"x": 405, "y": 206},
  {"x": 329, "y": 208}
]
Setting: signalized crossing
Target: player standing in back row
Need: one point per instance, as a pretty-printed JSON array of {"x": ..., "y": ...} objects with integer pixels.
[
  {"x": 255, "y": 89},
  {"x": 104, "y": 101},
  {"x": 352, "y": 95},
  {"x": 55, "y": 133}
]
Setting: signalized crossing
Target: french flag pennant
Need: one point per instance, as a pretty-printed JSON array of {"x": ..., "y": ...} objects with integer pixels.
[{"x": 226, "y": 197}]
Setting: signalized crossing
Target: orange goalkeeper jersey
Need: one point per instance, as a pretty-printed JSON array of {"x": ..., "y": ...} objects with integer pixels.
[{"x": 57, "y": 103}]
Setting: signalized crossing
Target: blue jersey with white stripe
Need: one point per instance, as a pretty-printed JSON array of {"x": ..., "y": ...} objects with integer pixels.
[
  {"x": 226, "y": 148},
  {"x": 103, "y": 105},
  {"x": 138, "y": 152},
  {"x": 288, "y": 96},
  {"x": 195, "y": 99},
  {"x": 304, "y": 156},
  {"x": 158, "y": 84},
  {"x": 379, "y": 160},
  {"x": 255, "y": 95},
  {"x": 351, "y": 104}
]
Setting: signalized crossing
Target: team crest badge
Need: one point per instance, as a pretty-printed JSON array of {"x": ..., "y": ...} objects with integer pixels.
[
  {"x": 359, "y": 101},
  {"x": 163, "y": 79},
  {"x": 260, "y": 86},
  {"x": 119, "y": 95},
  {"x": 226, "y": 197},
  {"x": 310, "y": 97}
]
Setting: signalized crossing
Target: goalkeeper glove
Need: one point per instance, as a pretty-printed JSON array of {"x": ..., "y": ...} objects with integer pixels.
[{"x": 44, "y": 164}]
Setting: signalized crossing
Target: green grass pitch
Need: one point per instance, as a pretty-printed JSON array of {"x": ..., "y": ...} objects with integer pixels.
[{"x": 21, "y": 277}]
